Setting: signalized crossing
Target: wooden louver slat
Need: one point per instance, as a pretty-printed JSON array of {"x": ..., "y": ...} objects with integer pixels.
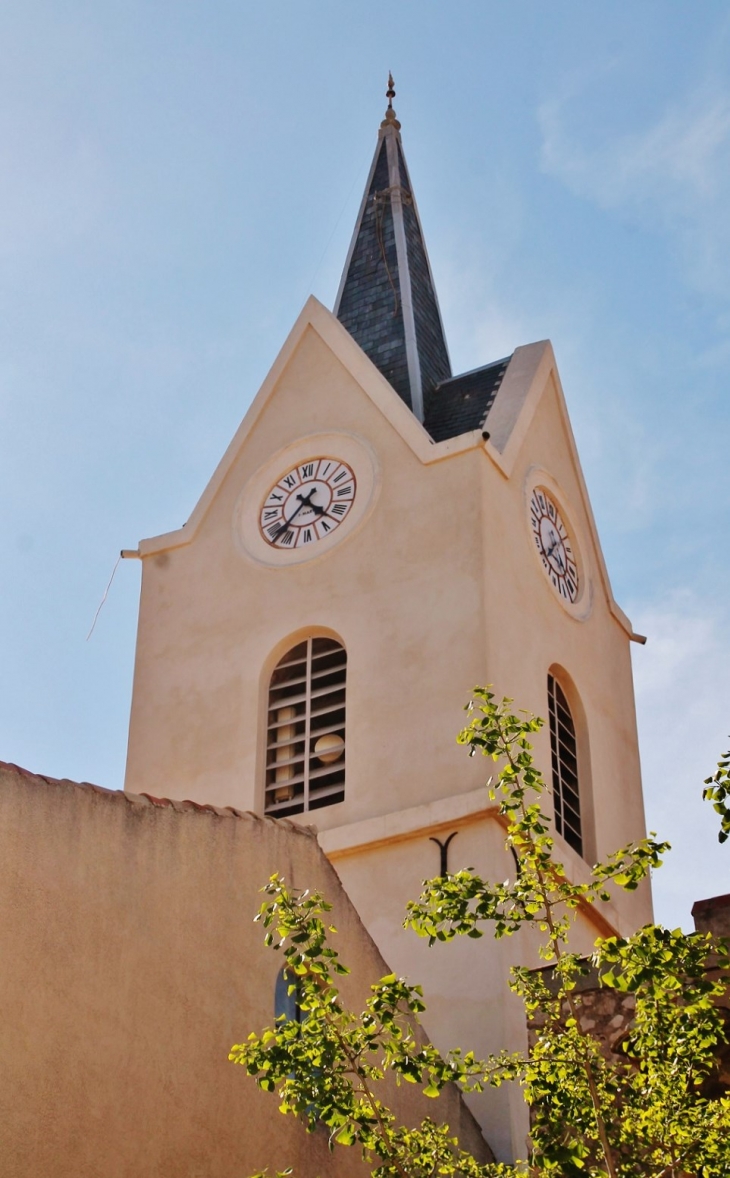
[{"x": 306, "y": 703}]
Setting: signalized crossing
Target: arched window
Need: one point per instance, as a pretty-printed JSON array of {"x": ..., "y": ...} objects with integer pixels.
[
  {"x": 305, "y": 732},
  {"x": 286, "y": 997},
  {"x": 288, "y": 1009},
  {"x": 566, "y": 793}
]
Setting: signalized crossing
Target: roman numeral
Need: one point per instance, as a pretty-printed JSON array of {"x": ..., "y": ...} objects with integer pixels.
[
  {"x": 324, "y": 526},
  {"x": 338, "y": 508},
  {"x": 287, "y": 537},
  {"x": 290, "y": 481},
  {"x": 307, "y": 470},
  {"x": 306, "y": 535},
  {"x": 272, "y": 513},
  {"x": 323, "y": 468},
  {"x": 272, "y": 531},
  {"x": 274, "y": 495},
  {"x": 344, "y": 491},
  {"x": 339, "y": 477}
]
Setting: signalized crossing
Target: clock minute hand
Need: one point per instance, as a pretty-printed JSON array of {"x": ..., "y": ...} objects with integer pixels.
[
  {"x": 304, "y": 501},
  {"x": 552, "y": 547}
]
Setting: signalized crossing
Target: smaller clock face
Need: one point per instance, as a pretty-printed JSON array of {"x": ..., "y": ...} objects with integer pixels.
[
  {"x": 307, "y": 503},
  {"x": 554, "y": 545}
]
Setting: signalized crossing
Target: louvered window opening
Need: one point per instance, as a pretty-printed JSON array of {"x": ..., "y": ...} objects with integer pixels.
[
  {"x": 566, "y": 795},
  {"x": 305, "y": 741}
]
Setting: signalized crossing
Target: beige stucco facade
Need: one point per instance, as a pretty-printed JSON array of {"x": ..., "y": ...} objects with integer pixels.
[
  {"x": 433, "y": 585},
  {"x": 130, "y": 965}
]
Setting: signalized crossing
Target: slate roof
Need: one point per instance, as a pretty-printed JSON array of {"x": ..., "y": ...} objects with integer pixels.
[
  {"x": 370, "y": 304},
  {"x": 386, "y": 310},
  {"x": 432, "y": 350},
  {"x": 462, "y": 403},
  {"x": 380, "y": 306}
]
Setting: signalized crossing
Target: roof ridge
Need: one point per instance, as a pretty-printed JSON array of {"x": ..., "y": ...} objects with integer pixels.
[
  {"x": 473, "y": 371},
  {"x": 142, "y": 800}
]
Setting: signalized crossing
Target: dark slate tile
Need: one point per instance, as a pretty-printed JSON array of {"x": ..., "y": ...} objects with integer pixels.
[{"x": 461, "y": 404}]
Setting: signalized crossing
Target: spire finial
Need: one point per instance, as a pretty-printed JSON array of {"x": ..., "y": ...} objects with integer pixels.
[{"x": 390, "y": 120}]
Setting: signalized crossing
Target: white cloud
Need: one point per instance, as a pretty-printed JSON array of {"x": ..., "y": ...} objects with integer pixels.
[
  {"x": 673, "y": 176},
  {"x": 682, "y": 681}
]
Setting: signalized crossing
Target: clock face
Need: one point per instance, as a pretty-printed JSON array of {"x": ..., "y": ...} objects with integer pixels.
[
  {"x": 307, "y": 503},
  {"x": 554, "y": 545}
]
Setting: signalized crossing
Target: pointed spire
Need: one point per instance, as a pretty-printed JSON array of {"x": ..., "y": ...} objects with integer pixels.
[{"x": 387, "y": 299}]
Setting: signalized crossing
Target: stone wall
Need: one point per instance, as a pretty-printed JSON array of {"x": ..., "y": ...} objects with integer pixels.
[
  {"x": 712, "y": 915},
  {"x": 607, "y": 1014}
]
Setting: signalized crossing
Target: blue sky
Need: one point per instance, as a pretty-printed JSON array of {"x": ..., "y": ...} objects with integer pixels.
[{"x": 176, "y": 178}]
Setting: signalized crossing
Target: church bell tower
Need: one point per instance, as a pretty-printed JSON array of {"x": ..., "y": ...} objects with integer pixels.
[{"x": 380, "y": 536}]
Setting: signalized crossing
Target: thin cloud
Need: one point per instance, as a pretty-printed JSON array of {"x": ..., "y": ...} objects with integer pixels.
[
  {"x": 682, "y": 679},
  {"x": 673, "y": 176}
]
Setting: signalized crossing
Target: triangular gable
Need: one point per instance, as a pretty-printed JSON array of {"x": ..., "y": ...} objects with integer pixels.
[
  {"x": 527, "y": 377},
  {"x": 529, "y": 374},
  {"x": 316, "y": 317}
]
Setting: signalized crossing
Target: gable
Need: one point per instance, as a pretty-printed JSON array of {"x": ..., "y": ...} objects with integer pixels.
[
  {"x": 530, "y": 440},
  {"x": 298, "y": 360},
  {"x": 321, "y": 375}
]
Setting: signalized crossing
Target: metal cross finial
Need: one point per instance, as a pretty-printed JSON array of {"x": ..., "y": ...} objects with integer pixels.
[{"x": 390, "y": 120}]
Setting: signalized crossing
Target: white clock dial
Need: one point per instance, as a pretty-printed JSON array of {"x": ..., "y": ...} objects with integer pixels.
[
  {"x": 554, "y": 545},
  {"x": 307, "y": 503}
]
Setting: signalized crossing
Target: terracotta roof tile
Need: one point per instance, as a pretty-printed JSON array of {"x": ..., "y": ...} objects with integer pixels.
[{"x": 180, "y": 806}]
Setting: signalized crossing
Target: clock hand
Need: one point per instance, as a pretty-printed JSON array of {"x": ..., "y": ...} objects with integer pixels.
[
  {"x": 552, "y": 547},
  {"x": 558, "y": 557},
  {"x": 304, "y": 501}
]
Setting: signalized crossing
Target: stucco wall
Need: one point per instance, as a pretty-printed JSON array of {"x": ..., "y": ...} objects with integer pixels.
[
  {"x": 129, "y": 966},
  {"x": 437, "y": 588}
]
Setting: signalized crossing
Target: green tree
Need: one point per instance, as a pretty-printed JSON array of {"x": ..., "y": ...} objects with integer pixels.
[
  {"x": 643, "y": 1112},
  {"x": 717, "y": 791}
]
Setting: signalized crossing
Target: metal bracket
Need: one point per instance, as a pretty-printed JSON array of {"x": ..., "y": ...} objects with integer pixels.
[{"x": 444, "y": 849}]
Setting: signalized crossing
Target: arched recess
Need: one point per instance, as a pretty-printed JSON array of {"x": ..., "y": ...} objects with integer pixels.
[
  {"x": 570, "y": 764},
  {"x": 286, "y": 998},
  {"x": 304, "y": 763}
]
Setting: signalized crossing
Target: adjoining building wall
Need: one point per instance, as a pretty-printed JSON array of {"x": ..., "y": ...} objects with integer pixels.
[
  {"x": 130, "y": 964},
  {"x": 712, "y": 915}
]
